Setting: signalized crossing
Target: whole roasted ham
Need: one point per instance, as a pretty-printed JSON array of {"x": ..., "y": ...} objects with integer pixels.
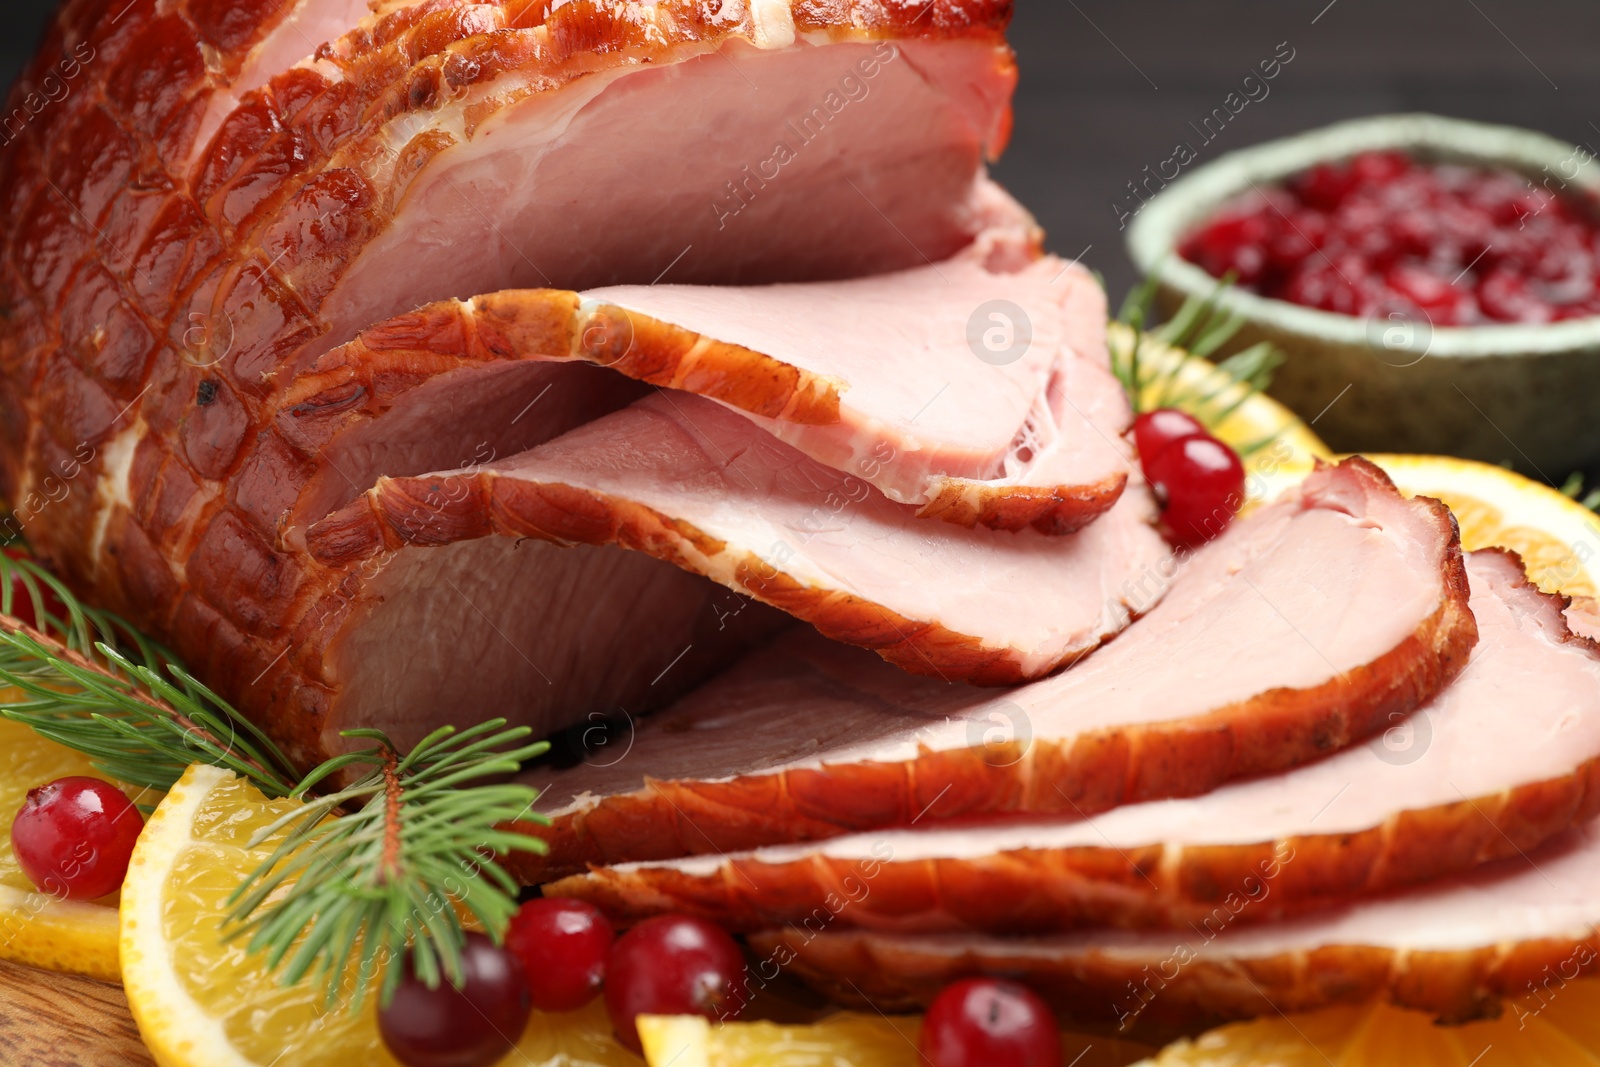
[{"x": 233, "y": 192}]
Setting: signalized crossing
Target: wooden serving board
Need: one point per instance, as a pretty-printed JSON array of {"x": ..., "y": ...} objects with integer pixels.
[{"x": 56, "y": 1020}]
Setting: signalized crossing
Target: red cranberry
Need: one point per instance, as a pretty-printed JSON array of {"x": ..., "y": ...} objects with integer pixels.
[
  {"x": 22, "y": 607},
  {"x": 74, "y": 837},
  {"x": 562, "y": 945},
  {"x": 673, "y": 965},
  {"x": 982, "y": 1021},
  {"x": 1155, "y": 430},
  {"x": 1199, "y": 483},
  {"x": 473, "y": 1026}
]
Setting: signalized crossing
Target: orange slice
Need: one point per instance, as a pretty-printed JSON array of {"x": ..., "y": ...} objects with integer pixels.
[
  {"x": 1557, "y": 537},
  {"x": 36, "y": 928},
  {"x": 202, "y": 1003},
  {"x": 1556, "y": 1026},
  {"x": 847, "y": 1038}
]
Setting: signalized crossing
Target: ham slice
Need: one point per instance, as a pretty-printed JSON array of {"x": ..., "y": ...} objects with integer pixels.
[
  {"x": 1456, "y": 949},
  {"x": 1504, "y": 759},
  {"x": 678, "y": 479},
  {"x": 886, "y": 384},
  {"x": 1300, "y": 630},
  {"x": 227, "y": 193},
  {"x": 1583, "y": 616}
]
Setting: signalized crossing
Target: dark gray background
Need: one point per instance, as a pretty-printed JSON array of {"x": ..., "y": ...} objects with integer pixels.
[{"x": 1111, "y": 85}]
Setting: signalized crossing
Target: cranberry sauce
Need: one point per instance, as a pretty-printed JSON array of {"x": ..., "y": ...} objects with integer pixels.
[{"x": 1465, "y": 245}]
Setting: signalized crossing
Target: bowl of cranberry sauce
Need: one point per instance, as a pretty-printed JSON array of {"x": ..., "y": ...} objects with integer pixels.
[{"x": 1435, "y": 283}]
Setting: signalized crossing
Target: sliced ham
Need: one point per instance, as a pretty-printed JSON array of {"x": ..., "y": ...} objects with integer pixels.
[
  {"x": 1583, "y": 616},
  {"x": 227, "y": 193},
  {"x": 681, "y": 480},
  {"x": 880, "y": 378},
  {"x": 1456, "y": 949},
  {"x": 1300, "y": 630},
  {"x": 1505, "y": 758}
]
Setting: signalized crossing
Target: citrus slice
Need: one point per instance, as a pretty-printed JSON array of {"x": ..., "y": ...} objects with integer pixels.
[
  {"x": 1278, "y": 449},
  {"x": 1557, "y": 1026},
  {"x": 38, "y": 929},
  {"x": 202, "y": 1003},
  {"x": 846, "y": 1038},
  {"x": 1557, "y": 537}
]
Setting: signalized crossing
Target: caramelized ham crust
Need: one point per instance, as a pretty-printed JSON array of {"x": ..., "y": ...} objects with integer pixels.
[
  {"x": 199, "y": 220},
  {"x": 1505, "y": 758},
  {"x": 1322, "y": 618},
  {"x": 1454, "y": 948}
]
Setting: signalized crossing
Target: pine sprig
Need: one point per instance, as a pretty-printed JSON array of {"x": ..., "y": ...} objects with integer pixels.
[
  {"x": 398, "y": 860},
  {"x": 91, "y": 682},
  {"x": 1153, "y": 376},
  {"x": 416, "y": 850}
]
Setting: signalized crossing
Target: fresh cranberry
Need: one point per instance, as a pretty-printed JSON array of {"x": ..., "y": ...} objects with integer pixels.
[
  {"x": 982, "y": 1021},
  {"x": 22, "y": 607},
  {"x": 673, "y": 965},
  {"x": 562, "y": 945},
  {"x": 473, "y": 1026},
  {"x": 1155, "y": 430},
  {"x": 74, "y": 837},
  {"x": 1199, "y": 483}
]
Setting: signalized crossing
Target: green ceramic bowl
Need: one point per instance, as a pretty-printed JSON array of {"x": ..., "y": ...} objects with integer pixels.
[{"x": 1529, "y": 395}]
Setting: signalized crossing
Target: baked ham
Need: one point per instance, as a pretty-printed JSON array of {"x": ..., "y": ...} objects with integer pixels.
[
  {"x": 1456, "y": 949},
  {"x": 885, "y": 384},
  {"x": 1320, "y": 619},
  {"x": 1507, "y": 757},
  {"x": 686, "y": 482},
  {"x": 213, "y": 207}
]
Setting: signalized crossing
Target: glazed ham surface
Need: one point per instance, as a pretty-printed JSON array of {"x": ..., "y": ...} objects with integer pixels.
[
  {"x": 1456, "y": 948},
  {"x": 1306, "y": 627},
  {"x": 1505, "y": 758},
  {"x": 223, "y": 198}
]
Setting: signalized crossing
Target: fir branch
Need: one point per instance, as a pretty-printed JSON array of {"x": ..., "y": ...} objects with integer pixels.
[
  {"x": 91, "y": 682},
  {"x": 1573, "y": 487},
  {"x": 416, "y": 851},
  {"x": 1148, "y": 361}
]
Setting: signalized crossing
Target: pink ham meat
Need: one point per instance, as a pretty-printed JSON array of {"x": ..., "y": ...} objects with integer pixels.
[
  {"x": 1455, "y": 948},
  {"x": 1505, "y": 758},
  {"x": 1583, "y": 616},
  {"x": 1302, "y": 629},
  {"x": 886, "y": 385},
  {"x": 693, "y": 484},
  {"x": 232, "y": 189}
]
